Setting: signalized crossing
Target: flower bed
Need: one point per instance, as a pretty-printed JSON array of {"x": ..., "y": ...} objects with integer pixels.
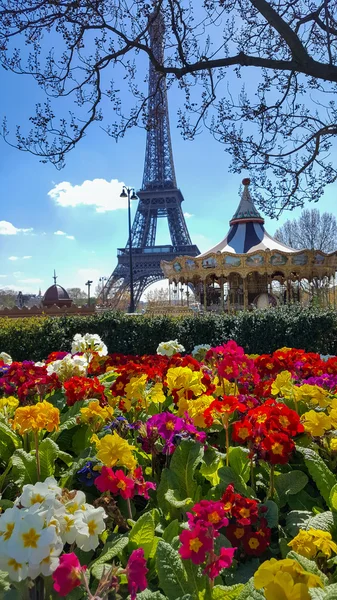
[{"x": 208, "y": 476}]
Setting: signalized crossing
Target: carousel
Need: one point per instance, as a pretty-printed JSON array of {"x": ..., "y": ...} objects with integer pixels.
[{"x": 250, "y": 269}]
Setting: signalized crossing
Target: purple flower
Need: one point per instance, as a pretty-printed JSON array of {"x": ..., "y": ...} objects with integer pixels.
[
  {"x": 87, "y": 475},
  {"x": 166, "y": 424}
]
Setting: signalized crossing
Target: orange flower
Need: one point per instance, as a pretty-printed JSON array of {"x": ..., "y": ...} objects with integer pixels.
[{"x": 42, "y": 415}]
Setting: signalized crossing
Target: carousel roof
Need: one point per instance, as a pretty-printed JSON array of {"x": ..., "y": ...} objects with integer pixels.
[{"x": 247, "y": 233}]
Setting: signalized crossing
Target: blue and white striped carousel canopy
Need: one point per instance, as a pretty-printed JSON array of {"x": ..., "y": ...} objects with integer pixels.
[{"x": 247, "y": 233}]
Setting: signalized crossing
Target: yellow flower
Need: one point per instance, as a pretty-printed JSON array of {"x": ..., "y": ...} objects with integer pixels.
[
  {"x": 135, "y": 389},
  {"x": 285, "y": 580},
  {"x": 94, "y": 413},
  {"x": 333, "y": 444},
  {"x": 113, "y": 451},
  {"x": 224, "y": 387},
  {"x": 283, "y": 385},
  {"x": 42, "y": 415},
  {"x": 9, "y": 404},
  {"x": 323, "y": 541},
  {"x": 303, "y": 543},
  {"x": 311, "y": 394},
  {"x": 333, "y": 418},
  {"x": 156, "y": 393},
  {"x": 185, "y": 380},
  {"x": 196, "y": 409},
  {"x": 316, "y": 423}
]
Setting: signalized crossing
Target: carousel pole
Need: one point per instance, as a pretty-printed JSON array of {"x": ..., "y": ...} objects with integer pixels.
[
  {"x": 245, "y": 293},
  {"x": 205, "y": 299}
]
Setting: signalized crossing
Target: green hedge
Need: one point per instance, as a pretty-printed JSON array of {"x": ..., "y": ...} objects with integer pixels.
[{"x": 258, "y": 332}]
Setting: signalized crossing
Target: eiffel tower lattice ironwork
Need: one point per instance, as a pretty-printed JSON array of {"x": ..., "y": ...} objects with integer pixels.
[{"x": 159, "y": 196}]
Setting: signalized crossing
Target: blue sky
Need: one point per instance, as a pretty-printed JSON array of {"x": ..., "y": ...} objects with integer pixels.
[{"x": 73, "y": 220}]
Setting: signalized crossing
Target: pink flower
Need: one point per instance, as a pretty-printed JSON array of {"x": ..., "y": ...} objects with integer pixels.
[
  {"x": 67, "y": 576},
  {"x": 105, "y": 480},
  {"x": 223, "y": 561},
  {"x": 142, "y": 487},
  {"x": 115, "y": 482},
  {"x": 195, "y": 544},
  {"x": 136, "y": 573},
  {"x": 210, "y": 512}
]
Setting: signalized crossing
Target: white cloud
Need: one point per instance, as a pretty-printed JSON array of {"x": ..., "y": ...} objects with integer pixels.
[
  {"x": 7, "y": 228},
  {"x": 3, "y": 276},
  {"x": 102, "y": 194},
  {"x": 188, "y": 215},
  {"x": 18, "y": 257},
  {"x": 69, "y": 237},
  {"x": 31, "y": 280},
  {"x": 17, "y": 274}
]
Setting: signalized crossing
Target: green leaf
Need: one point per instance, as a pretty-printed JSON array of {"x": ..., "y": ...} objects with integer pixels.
[
  {"x": 171, "y": 531},
  {"x": 288, "y": 484},
  {"x": 228, "y": 476},
  {"x": 168, "y": 481},
  {"x": 24, "y": 467},
  {"x": 249, "y": 592},
  {"x": 148, "y": 595},
  {"x": 110, "y": 550},
  {"x": 317, "y": 594},
  {"x": 173, "y": 498},
  {"x": 185, "y": 460},
  {"x": 48, "y": 452},
  {"x": 142, "y": 534},
  {"x": 321, "y": 474},
  {"x": 171, "y": 572},
  {"x": 272, "y": 514},
  {"x": 231, "y": 592},
  {"x": 331, "y": 592},
  {"x": 4, "y": 582},
  {"x": 308, "y": 565},
  {"x": 239, "y": 462},
  {"x": 295, "y": 520},
  {"x": 212, "y": 462},
  {"x": 326, "y": 521},
  {"x": 333, "y": 498}
]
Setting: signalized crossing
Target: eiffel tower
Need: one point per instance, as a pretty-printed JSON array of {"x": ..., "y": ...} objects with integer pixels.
[{"x": 159, "y": 196}]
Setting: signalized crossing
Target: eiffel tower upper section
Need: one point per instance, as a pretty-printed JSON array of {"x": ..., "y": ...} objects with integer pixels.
[{"x": 159, "y": 196}]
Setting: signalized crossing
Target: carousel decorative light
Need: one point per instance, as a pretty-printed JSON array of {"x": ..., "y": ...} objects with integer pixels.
[{"x": 251, "y": 269}]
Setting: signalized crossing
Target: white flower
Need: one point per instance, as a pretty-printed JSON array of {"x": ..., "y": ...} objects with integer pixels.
[
  {"x": 39, "y": 364},
  {"x": 169, "y": 348},
  {"x": 6, "y": 358},
  {"x": 324, "y": 357},
  {"x": 8, "y": 521},
  {"x": 71, "y": 525},
  {"x": 16, "y": 571},
  {"x": 93, "y": 520},
  {"x": 77, "y": 502},
  {"x": 69, "y": 366},
  {"x": 89, "y": 342},
  {"x": 31, "y": 540},
  {"x": 49, "y": 564},
  {"x": 200, "y": 350},
  {"x": 41, "y": 493}
]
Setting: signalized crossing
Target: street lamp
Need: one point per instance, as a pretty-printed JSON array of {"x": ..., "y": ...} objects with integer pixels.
[
  {"x": 102, "y": 282},
  {"x": 130, "y": 194},
  {"x": 89, "y": 282}
]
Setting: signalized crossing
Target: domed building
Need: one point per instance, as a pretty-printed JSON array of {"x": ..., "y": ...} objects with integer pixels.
[
  {"x": 56, "y": 295},
  {"x": 251, "y": 269}
]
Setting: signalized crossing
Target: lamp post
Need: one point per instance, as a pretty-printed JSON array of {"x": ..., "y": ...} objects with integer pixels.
[
  {"x": 102, "y": 282},
  {"x": 89, "y": 282},
  {"x": 130, "y": 194}
]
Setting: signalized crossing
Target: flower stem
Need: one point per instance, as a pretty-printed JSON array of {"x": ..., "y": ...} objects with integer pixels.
[
  {"x": 38, "y": 466},
  {"x": 227, "y": 445},
  {"x": 272, "y": 482},
  {"x": 252, "y": 475},
  {"x": 129, "y": 507}
]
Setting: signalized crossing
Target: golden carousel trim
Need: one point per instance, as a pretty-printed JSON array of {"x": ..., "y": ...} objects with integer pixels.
[{"x": 267, "y": 265}]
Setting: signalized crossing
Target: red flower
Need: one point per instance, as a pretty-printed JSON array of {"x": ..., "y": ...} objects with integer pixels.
[
  {"x": 256, "y": 542},
  {"x": 211, "y": 513},
  {"x": 115, "y": 482},
  {"x": 81, "y": 388},
  {"x": 245, "y": 511},
  {"x": 242, "y": 431},
  {"x": 195, "y": 544},
  {"x": 67, "y": 576},
  {"x": 223, "y": 561},
  {"x": 236, "y": 533},
  {"x": 278, "y": 448},
  {"x": 136, "y": 573},
  {"x": 226, "y": 406},
  {"x": 142, "y": 487}
]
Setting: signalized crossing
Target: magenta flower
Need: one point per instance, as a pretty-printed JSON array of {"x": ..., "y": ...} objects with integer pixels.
[
  {"x": 195, "y": 544},
  {"x": 67, "y": 576},
  {"x": 136, "y": 573},
  {"x": 223, "y": 561}
]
